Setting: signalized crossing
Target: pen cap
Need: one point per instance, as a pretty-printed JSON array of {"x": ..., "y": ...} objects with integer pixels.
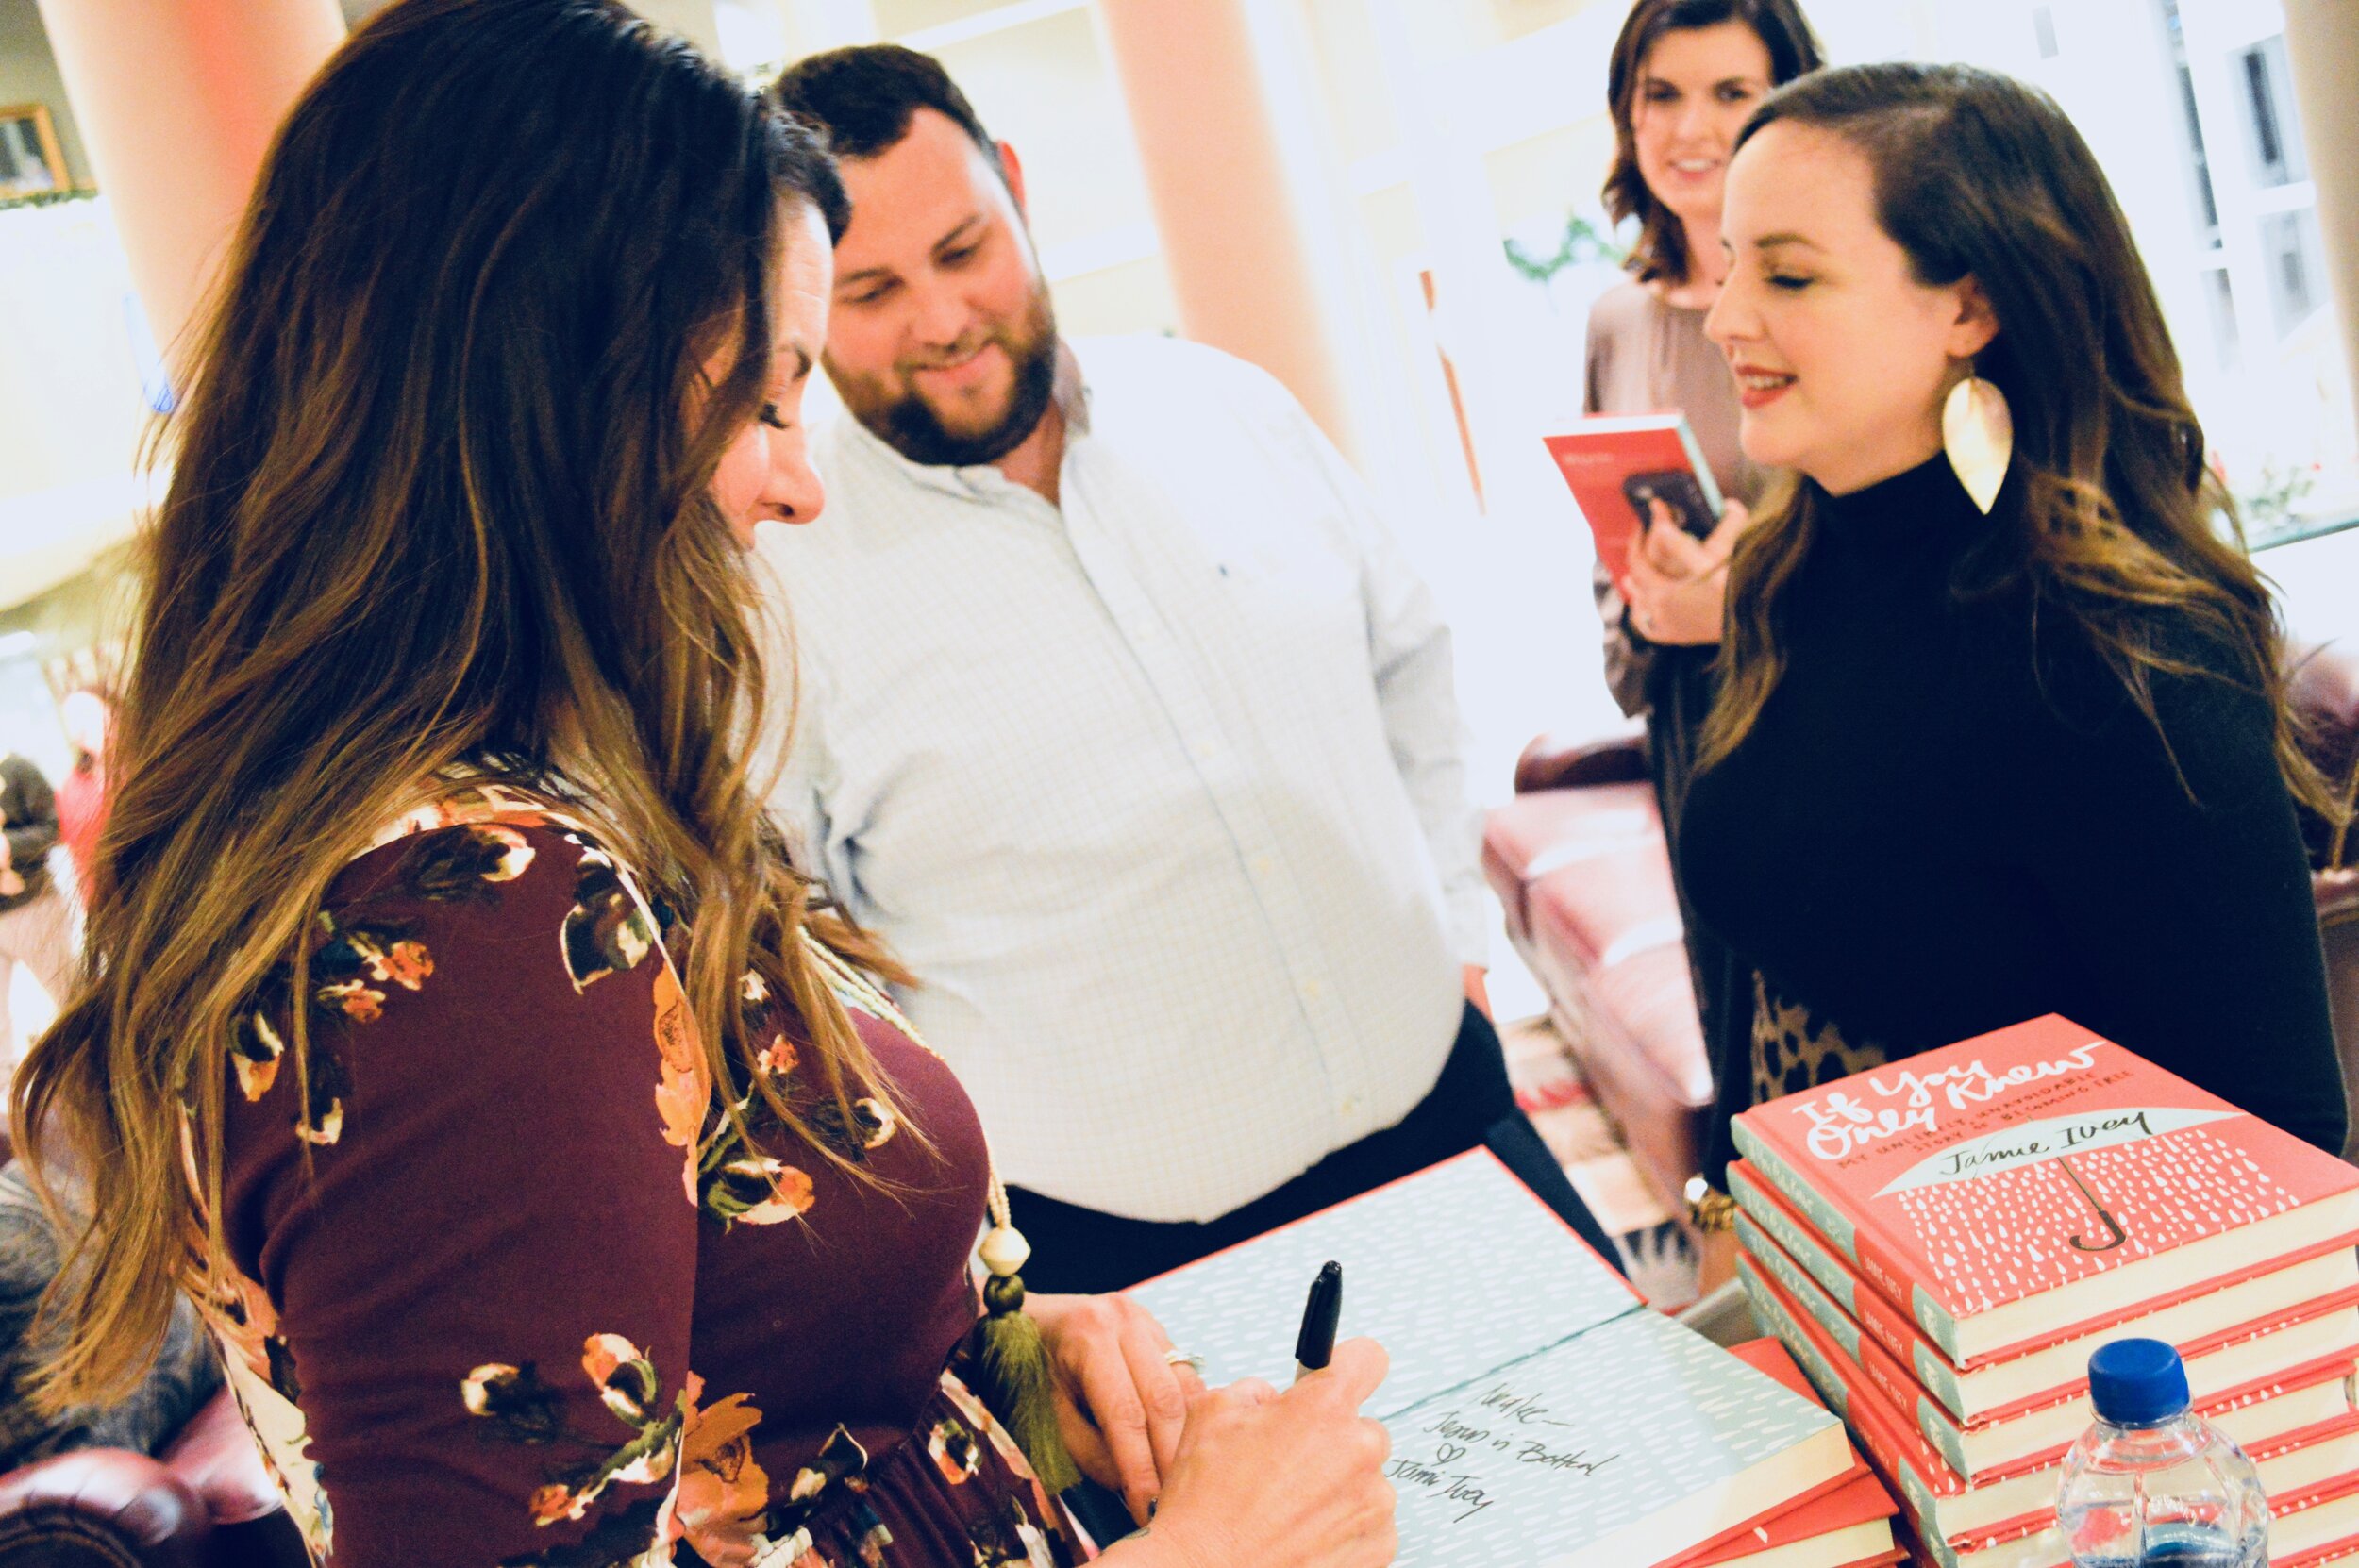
[{"x": 1320, "y": 1316}]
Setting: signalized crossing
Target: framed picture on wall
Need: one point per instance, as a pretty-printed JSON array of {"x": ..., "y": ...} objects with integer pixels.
[{"x": 31, "y": 162}]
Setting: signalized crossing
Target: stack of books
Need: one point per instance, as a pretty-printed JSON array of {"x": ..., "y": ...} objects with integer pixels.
[{"x": 1942, "y": 1242}]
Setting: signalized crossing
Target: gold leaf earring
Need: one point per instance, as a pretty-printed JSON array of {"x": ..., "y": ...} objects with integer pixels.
[{"x": 1978, "y": 435}]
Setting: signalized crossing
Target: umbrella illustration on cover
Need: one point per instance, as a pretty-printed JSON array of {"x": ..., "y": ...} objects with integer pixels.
[
  {"x": 1997, "y": 1224},
  {"x": 2095, "y": 1208}
]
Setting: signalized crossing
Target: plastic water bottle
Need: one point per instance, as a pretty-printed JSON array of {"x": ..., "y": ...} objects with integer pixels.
[{"x": 2152, "y": 1483}]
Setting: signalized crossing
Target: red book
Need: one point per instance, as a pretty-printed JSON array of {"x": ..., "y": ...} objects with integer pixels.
[
  {"x": 2307, "y": 1310},
  {"x": 1840, "y": 1526},
  {"x": 2030, "y": 1185},
  {"x": 2253, "y": 1402},
  {"x": 1631, "y": 471},
  {"x": 2305, "y": 1439}
]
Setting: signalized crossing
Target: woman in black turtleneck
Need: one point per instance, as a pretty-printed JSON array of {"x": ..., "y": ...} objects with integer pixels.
[{"x": 1971, "y": 766}]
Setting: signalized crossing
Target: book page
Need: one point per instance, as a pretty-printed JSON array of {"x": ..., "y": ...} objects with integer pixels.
[
  {"x": 1454, "y": 1270},
  {"x": 1549, "y": 1458}
]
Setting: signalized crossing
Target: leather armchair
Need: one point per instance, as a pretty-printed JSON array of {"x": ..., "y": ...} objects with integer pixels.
[
  {"x": 1579, "y": 863},
  {"x": 207, "y": 1503}
]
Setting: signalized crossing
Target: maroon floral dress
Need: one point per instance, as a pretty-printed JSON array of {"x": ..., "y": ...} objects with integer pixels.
[{"x": 532, "y": 1303}]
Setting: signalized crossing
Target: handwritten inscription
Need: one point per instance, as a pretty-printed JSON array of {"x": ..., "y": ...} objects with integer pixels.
[
  {"x": 1842, "y": 1121},
  {"x": 1466, "y": 1442}
]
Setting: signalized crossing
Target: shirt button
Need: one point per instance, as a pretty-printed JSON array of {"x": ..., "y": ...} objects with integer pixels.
[
  {"x": 1311, "y": 991},
  {"x": 1260, "y": 865},
  {"x": 1204, "y": 750},
  {"x": 1351, "y": 1104}
]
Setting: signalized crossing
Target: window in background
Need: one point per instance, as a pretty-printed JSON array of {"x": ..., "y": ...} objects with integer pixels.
[
  {"x": 2191, "y": 127},
  {"x": 2275, "y": 134},
  {"x": 2219, "y": 297},
  {"x": 2297, "y": 282}
]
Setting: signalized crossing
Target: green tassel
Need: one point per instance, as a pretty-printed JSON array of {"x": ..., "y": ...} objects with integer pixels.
[{"x": 1014, "y": 1382}]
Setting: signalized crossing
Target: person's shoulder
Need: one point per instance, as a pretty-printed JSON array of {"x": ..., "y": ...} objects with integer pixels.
[
  {"x": 2155, "y": 690},
  {"x": 1149, "y": 366},
  {"x": 457, "y": 873},
  {"x": 459, "y": 916},
  {"x": 873, "y": 508},
  {"x": 1627, "y": 307},
  {"x": 863, "y": 480}
]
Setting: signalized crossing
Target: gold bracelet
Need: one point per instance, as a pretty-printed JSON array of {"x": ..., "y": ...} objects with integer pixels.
[{"x": 1709, "y": 1209}]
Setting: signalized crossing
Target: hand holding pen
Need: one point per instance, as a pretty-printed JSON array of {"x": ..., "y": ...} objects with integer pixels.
[{"x": 1291, "y": 1480}]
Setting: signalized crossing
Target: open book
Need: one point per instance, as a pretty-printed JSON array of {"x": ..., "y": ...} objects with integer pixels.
[{"x": 1542, "y": 1415}]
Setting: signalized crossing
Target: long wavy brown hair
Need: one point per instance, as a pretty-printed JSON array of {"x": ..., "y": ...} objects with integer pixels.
[
  {"x": 1660, "y": 251},
  {"x": 439, "y": 507},
  {"x": 2123, "y": 532}
]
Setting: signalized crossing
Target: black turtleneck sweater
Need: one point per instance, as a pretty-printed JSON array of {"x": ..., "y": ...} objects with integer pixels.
[{"x": 1946, "y": 822}]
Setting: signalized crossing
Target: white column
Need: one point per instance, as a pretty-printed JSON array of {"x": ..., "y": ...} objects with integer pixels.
[
  {"x": 177, "y": 101},
  {"x": 1233, "y": 235},
  {"x": 2322, "y": 46}
]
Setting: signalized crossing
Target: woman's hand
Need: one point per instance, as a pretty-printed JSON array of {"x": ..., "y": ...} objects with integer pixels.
[
  {"x": 1278, "y": 1480},
  {"x": 1678, "y": 585},
  {"x": 1121, "y": 1405}
]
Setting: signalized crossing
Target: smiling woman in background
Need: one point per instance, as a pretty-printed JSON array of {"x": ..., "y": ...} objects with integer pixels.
[
  {"x": 2003, "y": 729},
  {"x": 1685, "y": 76}
]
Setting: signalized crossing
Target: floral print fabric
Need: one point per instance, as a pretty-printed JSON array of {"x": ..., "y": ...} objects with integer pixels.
[{"x": 512, "y": 1289}]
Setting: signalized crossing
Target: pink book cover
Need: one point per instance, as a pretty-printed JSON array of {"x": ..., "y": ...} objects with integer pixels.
[
  {"x": 1627, "y": 472},
  {"x": 2321, "y": 1359},
  {"x": 2032, "y": 1162},
  {"x": 2333, "y": 1552},
  {"x": 1917, "y": 1472},
  {"x": 1905, "y": 1365}
]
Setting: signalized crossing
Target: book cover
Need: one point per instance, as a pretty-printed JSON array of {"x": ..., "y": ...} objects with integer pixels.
[
  {"x": 2309, "y": 1531},
  {"x": 2226, "y": 1313},
  {"x": 2013, "y": 1187},
  {"x": 2315, "y": 1350},
  {"x": 2304, "y": 1435},
  {"x": 1629, "y": 473},
  {"x": 2345, "y": 1550}
]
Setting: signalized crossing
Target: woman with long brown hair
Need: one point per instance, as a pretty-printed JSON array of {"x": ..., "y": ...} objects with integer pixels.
[
  {"x": 1685, "y": 76},
  {"x": 2002, "y": 730},
  {"x": 536, "y": 1230}
]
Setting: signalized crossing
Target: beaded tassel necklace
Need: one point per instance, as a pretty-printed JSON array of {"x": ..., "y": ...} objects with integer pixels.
[{"x": 1016, "y": 1383}]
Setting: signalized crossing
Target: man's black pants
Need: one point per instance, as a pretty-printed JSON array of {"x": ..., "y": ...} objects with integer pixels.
[{"x": 1083, "y": 1251}]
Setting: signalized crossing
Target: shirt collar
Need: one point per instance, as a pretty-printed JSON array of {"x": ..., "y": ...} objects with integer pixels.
[{"x": 1070, "y": 391}]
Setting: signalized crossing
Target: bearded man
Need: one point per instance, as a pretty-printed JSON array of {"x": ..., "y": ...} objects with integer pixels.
[{"x": 1122, "y": 718}]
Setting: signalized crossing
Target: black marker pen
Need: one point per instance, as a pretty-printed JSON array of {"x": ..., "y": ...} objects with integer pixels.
[{"x": 1315, "y": 1345}]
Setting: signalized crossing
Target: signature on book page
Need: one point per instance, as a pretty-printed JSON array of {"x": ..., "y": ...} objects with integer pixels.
[{"x": 1475, "y": 1449}]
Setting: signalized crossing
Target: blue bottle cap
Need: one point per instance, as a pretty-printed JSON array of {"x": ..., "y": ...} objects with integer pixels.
[{"x": 2137, "y": 1383}]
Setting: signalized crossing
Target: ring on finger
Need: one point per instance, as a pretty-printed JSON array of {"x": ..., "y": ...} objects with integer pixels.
[{"x": 1173, "y": 1356}]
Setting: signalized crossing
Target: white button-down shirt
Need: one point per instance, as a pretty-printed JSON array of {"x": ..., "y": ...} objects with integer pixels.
[{"x": 1160, "y": 793}]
